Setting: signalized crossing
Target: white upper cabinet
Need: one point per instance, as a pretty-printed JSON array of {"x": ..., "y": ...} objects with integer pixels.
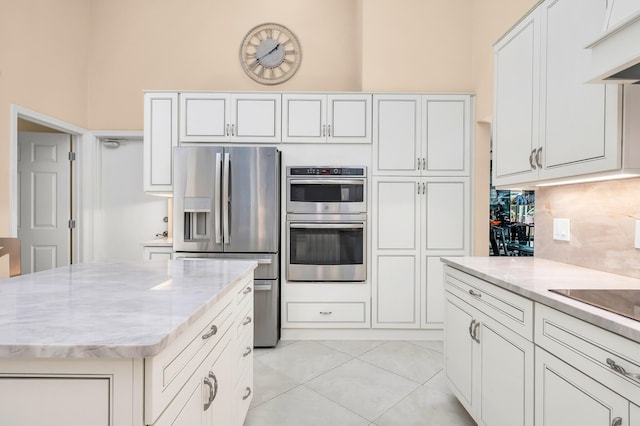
[
  {"x": 318, "y": 118},
  {"x": 226, "y": 117},
  {"x": 422, "y": 135},
  {"x": 160, "y": 136},
  {"x": 548, "y": 124}
]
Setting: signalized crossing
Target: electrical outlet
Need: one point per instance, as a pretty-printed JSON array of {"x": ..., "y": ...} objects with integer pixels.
[
  {"x": 561, "y": 229},
  {"x": 637, "y": 243}
]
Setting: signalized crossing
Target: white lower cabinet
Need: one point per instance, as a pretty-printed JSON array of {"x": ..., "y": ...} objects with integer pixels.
[
  {"x": 157, "y": 253},
  {"x": 415, "y": 221},
  {"x": 566, "y": 396},
  {"x": 634, "y": 415},
  {"x": 488, "y": 351}
]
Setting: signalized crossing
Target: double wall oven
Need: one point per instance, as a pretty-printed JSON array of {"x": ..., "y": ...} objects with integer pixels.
[{"x": 326, "y": 224}]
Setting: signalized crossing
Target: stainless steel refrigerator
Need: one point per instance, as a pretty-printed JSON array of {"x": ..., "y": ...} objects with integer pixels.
[{"x": 226, "y": 204}]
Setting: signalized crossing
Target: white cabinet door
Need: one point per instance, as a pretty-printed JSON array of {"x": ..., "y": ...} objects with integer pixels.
[
  {"x": 157, "y": 253},
  {"x": 517, "y": 102},
  {"x": 225, "y": 117},
  {"x": 459, "y": 350},
  {"x": 205, "y": 117},
  {"x": 447, "y": 135},
  {"x": 446, "y": 215},
  {"x": 506, "y": 376},
  {"x": 396, "y": 213},
  {"x": 187, "y": 408},
  {"x": 432, "y": 292},
  {"x": 397, "y": 134},
  {"x": 349, "y": 118},
  {"x": 634, "y": 415},
  {"x": 304, "y": 118},
  {"x": 396, "y": 302},
  {"x": 256, "y": 117},
  {"x": 55, "y": 401},
  {"x": 576, "y": 137},
  {"x": 222, "y": 375},
  {"x": 566, "y": 396},
  {"x": 160, "y": 136}
]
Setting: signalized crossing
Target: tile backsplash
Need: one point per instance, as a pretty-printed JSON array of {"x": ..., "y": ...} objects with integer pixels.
[{"x": 602, "y": 215}]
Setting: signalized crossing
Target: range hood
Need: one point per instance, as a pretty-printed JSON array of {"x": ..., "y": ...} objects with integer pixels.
[{"x": 615, "y": 55}]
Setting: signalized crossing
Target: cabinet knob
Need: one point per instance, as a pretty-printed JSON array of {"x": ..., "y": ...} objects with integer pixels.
[
  {"x": 248, "y": 394},
  {"x": 246, "y": 290},
  {"x": 246, "y": 321},
  {"x": 212, "y": 332}
]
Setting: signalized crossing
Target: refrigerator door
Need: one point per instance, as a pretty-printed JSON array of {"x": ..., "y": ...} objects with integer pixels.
[
  {"x": 251, "y": 199},
  {"x": 197, "y": 191}
]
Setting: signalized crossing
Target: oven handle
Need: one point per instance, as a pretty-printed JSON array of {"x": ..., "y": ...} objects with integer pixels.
[
  {"x": 327, "y": 181},
  {"x": 327, "y": 225}
]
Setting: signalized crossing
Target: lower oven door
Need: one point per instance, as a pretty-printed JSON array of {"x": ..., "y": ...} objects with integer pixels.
[{"x": 326, "y": 250}]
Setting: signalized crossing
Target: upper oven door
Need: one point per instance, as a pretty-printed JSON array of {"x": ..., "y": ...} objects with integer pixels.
[{"x": 326, "y": 195}]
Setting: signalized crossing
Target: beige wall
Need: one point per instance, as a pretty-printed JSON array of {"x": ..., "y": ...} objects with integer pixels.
[
  {"x": 43, "y": 67},
  {"x": 87, "y": 61},
  {"x": 602, "y": 216}
]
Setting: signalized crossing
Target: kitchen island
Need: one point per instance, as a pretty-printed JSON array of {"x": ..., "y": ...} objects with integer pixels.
[
  {"x": 127, "y": 343},
  {"x": 516, "y": 352}
]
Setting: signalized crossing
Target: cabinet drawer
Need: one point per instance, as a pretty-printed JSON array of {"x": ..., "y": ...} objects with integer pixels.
[
  {"x": 244, "y": 322},
  {"x": 326, "y": 312},
  {"x": 244, "y": 395},
  {"x": 509, "y": 309},
  {"x": 166, "y": 373},
  {"x": 245, "y": 292},
  {"x": 244, "y": 353},
  {"x": 591, "y": 349}
]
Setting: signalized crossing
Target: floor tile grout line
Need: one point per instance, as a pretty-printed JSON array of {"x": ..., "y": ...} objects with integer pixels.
[
  {"x": 389, "y": 371},
  {"x": 337, "y": 403},
  {"x": 276, "y": 396}
]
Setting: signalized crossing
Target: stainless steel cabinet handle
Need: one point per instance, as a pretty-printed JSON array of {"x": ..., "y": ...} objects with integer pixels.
[
  {"x": 474, "y": 294},
  {"x": 324, "y": 130},
  {"x": 293, "y": 182},
  {"x": 471, "y": 328},
  {"x": 329, "y": 130},
  {"x": 218, "y": 193},
  {"x": 233, "y": 130},
  {"x": 212, "y": 332},
  {"x": 247, "y": 352},
  {"x": 475, "y": 332},
  {"x": 213, "y": 389},
  {"x": 538, "y": 155},
  {"x": 418, "y": 161},
  {"x": 246, "y": 290},
  {"x": 226, "y": 205},
  {"x": 326, "y": 225},
  {"x": 325, "y": 312},
  {"x": 418, "y": 185},
  {"x": 617, "y": 421},
  {"x": 533, "y": 166},
  {"x": 424, "y": 163},
  {"x": 246, "y": 321},
  {"x": 248, "y": 389},
  {"x": 620, "y": 370},
  {"x": 424, "y": 188}
]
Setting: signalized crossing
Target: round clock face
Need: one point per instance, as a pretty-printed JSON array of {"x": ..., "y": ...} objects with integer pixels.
[{"x": 270, "y": 54}]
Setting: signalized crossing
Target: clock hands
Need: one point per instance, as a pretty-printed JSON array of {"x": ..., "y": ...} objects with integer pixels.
[{"x": 269, "y": 52}]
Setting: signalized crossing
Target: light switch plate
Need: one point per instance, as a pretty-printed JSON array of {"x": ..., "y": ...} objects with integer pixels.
[
  {"x": 637, "y": 243},
  {"x": 561, "y": 229}
]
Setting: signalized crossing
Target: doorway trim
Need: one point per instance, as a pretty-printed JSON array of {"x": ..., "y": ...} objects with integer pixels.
[{"x": 76, "y": 133}]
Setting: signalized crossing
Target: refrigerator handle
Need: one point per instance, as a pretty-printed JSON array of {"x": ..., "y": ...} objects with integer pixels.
[
  {"x": 217, "y": 220},
  {"x": 225, "y": 198}
]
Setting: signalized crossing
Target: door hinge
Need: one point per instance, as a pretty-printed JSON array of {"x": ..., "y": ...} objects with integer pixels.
[
  {"x": 72, "y": 224},
  {"x": 72, "y": 156}
]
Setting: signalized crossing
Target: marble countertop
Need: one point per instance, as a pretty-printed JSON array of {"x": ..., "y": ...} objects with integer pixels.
[
  {"x": 532, "y": 277},
  {"x": 159, "y": 242},
  {"x": 114, "y": 309}
]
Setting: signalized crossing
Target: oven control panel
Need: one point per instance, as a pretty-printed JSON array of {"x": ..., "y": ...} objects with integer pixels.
[{"x": 326, "y": 171}]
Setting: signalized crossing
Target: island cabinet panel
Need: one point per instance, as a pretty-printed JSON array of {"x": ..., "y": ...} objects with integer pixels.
[{"x": 59, "y": 401}]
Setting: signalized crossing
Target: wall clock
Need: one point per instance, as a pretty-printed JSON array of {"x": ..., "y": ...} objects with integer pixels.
[{"x": 270, "y": 54}]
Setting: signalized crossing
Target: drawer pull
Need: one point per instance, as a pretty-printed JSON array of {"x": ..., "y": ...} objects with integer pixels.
[
  {"x": 325, "y": 312},
  {"x": 471, "y": 328},
  {"x": 246, "y": 321},
  {"x": 213, "y": 389},
  {"x": 620, "y": 370},
  {"x": 475, "y": 332},
  {"x": 617, "y": 421},
  {"x": 248, "y": 393},
  {"x": 474, "y": 294},
  {"x": 247, "y": 352},
  {"x": 212, "y": 332},
  {"x": 246, "y": 290}
]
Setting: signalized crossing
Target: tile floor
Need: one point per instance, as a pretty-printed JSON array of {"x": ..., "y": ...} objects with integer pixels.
[{"x": 343, "y": 383}]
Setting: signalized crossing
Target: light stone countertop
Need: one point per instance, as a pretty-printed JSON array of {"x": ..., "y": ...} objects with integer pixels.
[
  {"x": 113, "y": 309},
  {"x": 532, "y": 277},
  {"x": 159, "y": 242}
]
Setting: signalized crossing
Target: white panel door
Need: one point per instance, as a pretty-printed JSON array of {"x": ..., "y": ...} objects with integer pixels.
[
  {"x": 566, "y": 396},
  {"x": 432, "y": 293},
  {"x": 396, "y": 134},
  {"x": 634, "y": 415},
  {"x": 44, "y": 178},
  {"x": 349, "y": 118},
  {"x": 447, "y": 135},
  {"x": 127, "y": 216},
  {"x": 304, "y": 118},
  {"x": 396, "y": 291},
  {"x": 396, "y": 212},
  {"x": 205, "y": 117},
  {"x": 506, "y": 376},
  {"x": 516, "y": 102},
  {"x": 187, "y": 408},
  {"x": 54, "y": 401},
  {"x": 160, "y": 136},
  {"x": 446, "y": 219},
  {"x": 459, "y": 350},
  {"x": 256, "y": 117}
]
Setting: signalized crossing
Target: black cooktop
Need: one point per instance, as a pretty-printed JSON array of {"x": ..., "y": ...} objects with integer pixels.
[{"x": 621, "y": 302}]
